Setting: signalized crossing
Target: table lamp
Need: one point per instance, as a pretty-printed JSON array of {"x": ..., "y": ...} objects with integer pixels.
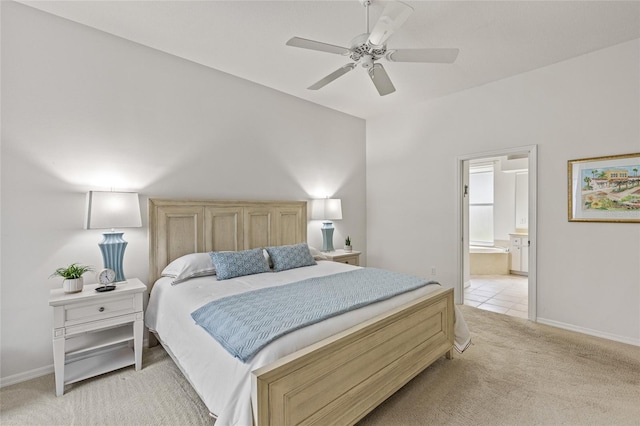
[
  {"x": 109, "y": 209},
  {"x": 327, "y": 209}
]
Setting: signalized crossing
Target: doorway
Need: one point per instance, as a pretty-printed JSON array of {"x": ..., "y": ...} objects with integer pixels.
[{"x": 497, "y": 199}]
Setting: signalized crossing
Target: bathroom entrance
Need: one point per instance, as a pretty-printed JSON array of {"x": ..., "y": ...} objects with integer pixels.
[{"x": 496, "y": 199}]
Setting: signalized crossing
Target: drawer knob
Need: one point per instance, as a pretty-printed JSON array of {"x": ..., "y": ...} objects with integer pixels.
[{"x": 101, "y": 309}]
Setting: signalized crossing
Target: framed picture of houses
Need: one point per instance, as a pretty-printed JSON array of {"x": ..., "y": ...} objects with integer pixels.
[{"x": 605, "y": 189}]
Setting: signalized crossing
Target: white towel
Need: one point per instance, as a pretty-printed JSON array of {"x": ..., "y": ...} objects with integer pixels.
[{"x": 462, "y": 338}]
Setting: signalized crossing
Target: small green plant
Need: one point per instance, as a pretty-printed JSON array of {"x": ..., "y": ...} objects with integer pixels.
[
  {"x": 72, "y": 271},
  {"x": 347, "y": 241}
]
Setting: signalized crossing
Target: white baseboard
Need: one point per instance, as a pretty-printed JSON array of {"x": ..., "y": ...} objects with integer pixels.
[
  {"x": 590, "y": 332},
  {"x": 27, "y": 375},
  {"x": 37, "y": 372}
]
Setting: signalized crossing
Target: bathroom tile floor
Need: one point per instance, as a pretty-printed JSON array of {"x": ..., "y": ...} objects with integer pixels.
[{"x": 504, "y": 294}]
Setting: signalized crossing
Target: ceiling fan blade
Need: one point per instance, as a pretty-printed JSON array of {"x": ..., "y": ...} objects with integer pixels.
[
  {"x": 381, "y": 80},
  {"x": 392, "y": 18},
  {"x": 434, "y": 55},
  {"x": 328, "y": 79},
  {"x": 316, "y": 45}
]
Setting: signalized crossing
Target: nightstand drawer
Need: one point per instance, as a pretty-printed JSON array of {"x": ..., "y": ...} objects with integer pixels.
[
  {"x": 97, "y": 311},
  {"x": 351, "y": 260}
]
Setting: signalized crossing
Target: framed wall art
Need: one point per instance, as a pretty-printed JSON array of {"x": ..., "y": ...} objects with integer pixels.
[{"x": 605, "y": 189}]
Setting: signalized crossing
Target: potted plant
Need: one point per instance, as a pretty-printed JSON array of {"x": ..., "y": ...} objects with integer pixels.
[
  {"x": 72, "y": 274},
  {"x": 347, "y": 244}
]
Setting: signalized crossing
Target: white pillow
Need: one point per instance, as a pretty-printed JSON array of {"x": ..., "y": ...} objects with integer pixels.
[
  {"x": 266, "y": 256},
  {"x": 317, "y": 254},
  {"x": 189, "y": 266}
]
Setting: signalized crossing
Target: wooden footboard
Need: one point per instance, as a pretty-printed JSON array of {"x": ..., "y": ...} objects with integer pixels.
[{"x": 338, "y": 380}]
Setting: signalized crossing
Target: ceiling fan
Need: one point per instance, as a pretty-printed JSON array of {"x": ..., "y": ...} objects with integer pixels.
[{"x": 367, "y": 48}]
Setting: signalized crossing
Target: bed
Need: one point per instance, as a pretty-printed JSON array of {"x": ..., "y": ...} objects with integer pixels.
[{"x": 331, "y": 372}]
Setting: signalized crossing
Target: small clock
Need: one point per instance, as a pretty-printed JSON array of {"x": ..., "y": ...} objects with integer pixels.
[{"x": 105, "y": 277}]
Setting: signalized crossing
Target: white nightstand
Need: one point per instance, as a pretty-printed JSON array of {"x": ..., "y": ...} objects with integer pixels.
[
  {"x": 94, "y": 333},
  {"x": 351, "y": 258}
]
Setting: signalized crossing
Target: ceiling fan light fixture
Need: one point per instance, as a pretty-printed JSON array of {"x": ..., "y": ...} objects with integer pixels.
[
  {"x": 393, "y": 16},
  {"x": 367, "y": 61}
]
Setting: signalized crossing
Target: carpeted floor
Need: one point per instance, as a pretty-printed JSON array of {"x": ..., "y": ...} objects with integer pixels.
[{"x": 515, "y": 373}]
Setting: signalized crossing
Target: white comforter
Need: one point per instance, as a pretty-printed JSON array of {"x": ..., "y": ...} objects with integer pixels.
[{"x": 222, "y": 381}]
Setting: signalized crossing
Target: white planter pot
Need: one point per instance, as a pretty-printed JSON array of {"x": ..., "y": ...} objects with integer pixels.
[
  {"x": 348, "y": 249},
  {"x": 73, "y": 286}
]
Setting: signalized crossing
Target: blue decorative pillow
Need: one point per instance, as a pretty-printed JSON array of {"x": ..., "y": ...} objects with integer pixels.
[
  {"x": 289, "y": 257},
  {"x": 231, "y": 264}
]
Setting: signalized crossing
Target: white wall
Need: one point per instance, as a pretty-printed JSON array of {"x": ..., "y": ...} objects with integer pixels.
[
  {"x": 84, "y": 110},
  {"x": 584, "y": 107}
]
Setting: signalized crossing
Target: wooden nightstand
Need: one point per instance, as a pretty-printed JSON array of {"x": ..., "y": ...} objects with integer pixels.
[
  {"x": 94, "y": 333},
  {"x": 351, "y": 258}
]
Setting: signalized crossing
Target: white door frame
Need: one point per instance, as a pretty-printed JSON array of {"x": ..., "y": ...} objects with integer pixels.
[{"x": 532, "y": 152}]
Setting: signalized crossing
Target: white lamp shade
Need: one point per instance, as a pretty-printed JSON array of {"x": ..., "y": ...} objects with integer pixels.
[
  {"x": 326, "y": 209},
  {"x": 107, "y": 209}
]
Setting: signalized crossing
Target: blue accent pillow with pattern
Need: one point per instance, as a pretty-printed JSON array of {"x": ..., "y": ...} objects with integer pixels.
[
  {"x": 231, "y": 264},
  {"x": 289, "y": 257}
]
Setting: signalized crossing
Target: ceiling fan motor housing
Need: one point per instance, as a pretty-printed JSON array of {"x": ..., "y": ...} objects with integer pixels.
[{"x": 360, "y": 47}]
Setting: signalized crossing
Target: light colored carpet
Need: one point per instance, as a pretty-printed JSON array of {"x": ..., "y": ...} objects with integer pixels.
[
  {"x": 521, "y": 373},
  {"x": 156, "y": 395},
  {"x": 515, "y": 373}
]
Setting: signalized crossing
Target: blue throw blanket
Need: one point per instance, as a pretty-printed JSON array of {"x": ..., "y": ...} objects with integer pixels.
[{"x": 247, "y": 322}]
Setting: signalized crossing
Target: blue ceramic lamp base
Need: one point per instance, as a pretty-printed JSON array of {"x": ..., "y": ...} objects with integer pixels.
[
  {"x": 112, "y": 248},
  {"x": 327, "y": 236}
]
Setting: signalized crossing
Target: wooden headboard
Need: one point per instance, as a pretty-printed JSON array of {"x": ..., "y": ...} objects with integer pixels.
[{"x": 179, "y": 227}]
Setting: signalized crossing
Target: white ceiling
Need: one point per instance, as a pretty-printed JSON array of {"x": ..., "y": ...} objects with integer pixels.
[{"x": 497, "y": 39}]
